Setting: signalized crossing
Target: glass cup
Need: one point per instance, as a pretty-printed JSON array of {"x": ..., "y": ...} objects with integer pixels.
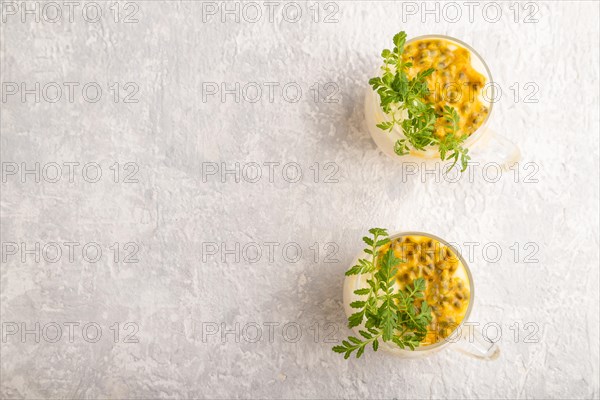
[
  {"x": 465, "y": 339},
  {"x": 484, "y": 144}
]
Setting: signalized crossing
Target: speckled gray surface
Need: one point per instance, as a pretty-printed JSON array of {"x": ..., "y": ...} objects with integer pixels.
[{"x": 179, "y": 212}]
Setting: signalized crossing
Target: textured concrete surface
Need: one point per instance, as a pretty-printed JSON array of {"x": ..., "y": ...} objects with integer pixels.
[{"x": 174, "y": 211}]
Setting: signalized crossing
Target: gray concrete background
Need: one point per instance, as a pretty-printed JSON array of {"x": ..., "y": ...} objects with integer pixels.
[{"x": 167, "y": 212}]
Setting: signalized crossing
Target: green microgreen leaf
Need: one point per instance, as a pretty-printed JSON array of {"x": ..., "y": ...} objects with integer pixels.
[
  {"x": 385, "y": 311},
  {"x": 399, "y": 94}
]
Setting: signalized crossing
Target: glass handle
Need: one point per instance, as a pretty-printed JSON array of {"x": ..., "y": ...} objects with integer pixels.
[
  {"x": 473, "y": 343},
  {"x": 496, "y": 148}
]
